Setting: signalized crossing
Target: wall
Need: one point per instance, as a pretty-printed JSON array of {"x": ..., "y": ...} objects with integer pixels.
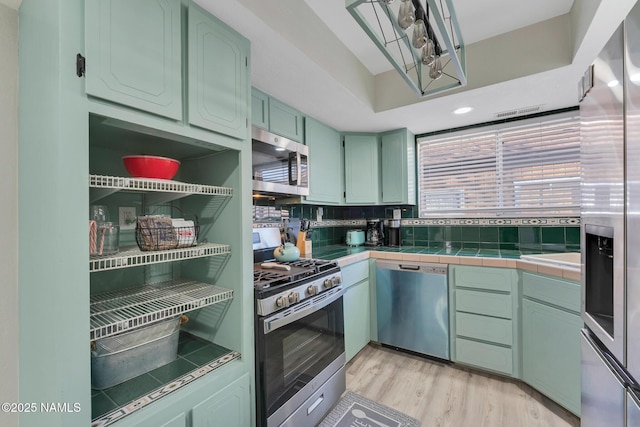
[
  {"x": 9, "y": 210},
  {"x": 504, "y": 234}
]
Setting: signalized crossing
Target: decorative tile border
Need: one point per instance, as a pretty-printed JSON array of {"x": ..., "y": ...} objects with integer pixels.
[
  {"x": 544, "y": 222},
  {"x": 118, "y": 414}
]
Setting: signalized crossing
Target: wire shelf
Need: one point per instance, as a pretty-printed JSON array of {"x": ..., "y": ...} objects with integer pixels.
[
  {"x": 118, "y": 311},
  {"x": 104, "y": 185},
  {"x": 133, "y": 256}
]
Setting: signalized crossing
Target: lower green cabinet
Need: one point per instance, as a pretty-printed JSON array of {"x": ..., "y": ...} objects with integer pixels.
[
  {"x": 179, "y": 421},
  {"x": 551, "y": 346},
  {"x": 229, "y": 407},
  {"x": 356, "y": 318},
  {"x": 484, "y": 320},
  {"x": 357, "y": 311}
]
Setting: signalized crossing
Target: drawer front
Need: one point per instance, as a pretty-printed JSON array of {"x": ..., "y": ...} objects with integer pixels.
[
  {"x": 484, "y": 328},
  {"x": 354, "y": 273},
  {"x": 493, "y": 279},
  {"x": 558, "y": 292},
  {"x": 486, "y": 303},
  {"x": 495, "y": 358}
]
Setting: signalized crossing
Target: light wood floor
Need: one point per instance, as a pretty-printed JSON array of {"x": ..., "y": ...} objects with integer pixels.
[{"x": 442, "y": 395}]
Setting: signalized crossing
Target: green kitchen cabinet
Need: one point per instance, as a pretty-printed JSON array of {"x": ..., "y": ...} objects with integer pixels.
[
  {"x": 226, "y": 408},
  {"x": 356, "y": 303},
  {"x": 285, "y": 120},
  {"x": 484, "y": 318},
  {"x": 259, "y": 109},
  {"x": 133, "y": 61},
  {"x": 275, "y": 116},
  {"x": 397, "y": 171},
  {"x": 61, "y": 118},
  {"x": 325, "y": 166},
  {"x": 139, "y": 63},
  {"x": 361, "y": 169},
  {"x": 218, "y": 69},
  {"x": 551, "y": 338}
]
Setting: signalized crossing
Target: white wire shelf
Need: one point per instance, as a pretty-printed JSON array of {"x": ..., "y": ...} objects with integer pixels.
[
  {"x": 166, "y": 190},
  {"x": 133, "y": 257},
  {"x": 118, "y": 311}
]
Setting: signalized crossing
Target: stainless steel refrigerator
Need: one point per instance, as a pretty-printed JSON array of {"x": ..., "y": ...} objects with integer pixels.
[{"x": 610, "y": 156}]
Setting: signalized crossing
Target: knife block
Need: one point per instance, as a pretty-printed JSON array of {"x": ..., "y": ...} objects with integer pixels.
[{"x": 303, "y": 244}]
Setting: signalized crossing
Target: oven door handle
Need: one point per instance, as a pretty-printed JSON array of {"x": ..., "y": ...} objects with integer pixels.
[{"x": 282, "y": 319}]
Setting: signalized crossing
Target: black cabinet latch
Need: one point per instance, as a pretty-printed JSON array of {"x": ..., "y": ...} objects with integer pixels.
[{"x": 80, "y": 65}]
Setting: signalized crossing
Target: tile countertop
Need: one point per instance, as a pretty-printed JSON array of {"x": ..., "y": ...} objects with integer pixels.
[{"x": 479, "y": 257}]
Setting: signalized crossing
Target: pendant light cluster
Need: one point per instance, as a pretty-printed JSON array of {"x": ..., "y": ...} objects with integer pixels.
[
  {"x": 423, "y": 38},
  {"x": 415, "y": 36}
]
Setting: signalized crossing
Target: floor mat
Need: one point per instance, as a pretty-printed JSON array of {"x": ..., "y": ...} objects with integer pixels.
[{"x": 355, "y": 410}]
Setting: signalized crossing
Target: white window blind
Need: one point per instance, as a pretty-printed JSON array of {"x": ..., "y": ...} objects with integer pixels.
[{"x": 529, "y": 167}]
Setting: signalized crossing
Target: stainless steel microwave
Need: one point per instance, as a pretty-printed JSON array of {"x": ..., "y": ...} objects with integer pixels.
[{"x": 279, "y": 165}]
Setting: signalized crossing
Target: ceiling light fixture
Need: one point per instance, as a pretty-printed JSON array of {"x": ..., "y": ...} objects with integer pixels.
[
  {"x": 421, "y": 39},
  {"x": 462, "y": 110}
]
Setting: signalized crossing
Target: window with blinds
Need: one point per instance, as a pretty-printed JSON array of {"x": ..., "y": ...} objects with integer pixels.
[{"x": 523, "y": 168}]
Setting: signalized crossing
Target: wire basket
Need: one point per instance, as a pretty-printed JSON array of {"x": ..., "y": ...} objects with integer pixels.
[{"x": 160, "y": 232}]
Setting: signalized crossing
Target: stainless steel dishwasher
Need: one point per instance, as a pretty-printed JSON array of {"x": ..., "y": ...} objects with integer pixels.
[{"x": 412, "y": 301}]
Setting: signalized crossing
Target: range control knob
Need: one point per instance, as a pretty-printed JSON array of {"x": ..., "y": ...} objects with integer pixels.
[
  {"x": 282, "y": 301},
  {"x": 294, "y": 297},
  {"x": 312, "y": 290},
  {"x": 328, "y": 283},
  {"x": 336, "y": 280}
]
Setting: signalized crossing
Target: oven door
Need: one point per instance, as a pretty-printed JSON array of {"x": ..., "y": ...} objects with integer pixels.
[{"x": 297, "y": 350}]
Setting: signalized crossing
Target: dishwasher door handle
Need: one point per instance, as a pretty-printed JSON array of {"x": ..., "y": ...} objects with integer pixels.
[{"x": 409, "y": 267}]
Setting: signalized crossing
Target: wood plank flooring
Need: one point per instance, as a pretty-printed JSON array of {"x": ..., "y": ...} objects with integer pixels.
[{"x": 442, "y": 395}]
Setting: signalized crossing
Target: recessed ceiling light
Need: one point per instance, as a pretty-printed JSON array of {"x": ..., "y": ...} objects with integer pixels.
[
  {"x": 613, "y": 83},
  {"x": 462, "y": 110}
]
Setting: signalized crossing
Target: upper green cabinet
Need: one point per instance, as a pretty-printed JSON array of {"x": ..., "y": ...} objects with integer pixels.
[
  {"x": 361, "y": 165},
  {"x": 275, "y": 116},
  {"x": 380, "y": 168},
  {"x": 116, "y": 34},
  {"x": 216, "y": 70},
  {"x": 259, "y": 109},
  {"x": 325, "y": 166},
  {"x": 397, "y": 172},
  {"x": 218, "y": 66}
]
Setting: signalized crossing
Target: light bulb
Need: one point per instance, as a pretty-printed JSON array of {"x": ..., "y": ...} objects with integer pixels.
[
  {"x": 406, "y": 15},
  {"x": 419, "y": 34},
  {"x": 435, "y": 72},
  {"x": 428, "y": 53}
]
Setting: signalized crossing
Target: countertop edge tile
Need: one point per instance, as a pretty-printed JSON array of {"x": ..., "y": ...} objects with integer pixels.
[{"x": 436, "y": 257}]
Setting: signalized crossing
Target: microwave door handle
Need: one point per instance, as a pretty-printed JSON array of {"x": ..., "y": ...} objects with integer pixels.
[
  {"x": 291, "y": 180},
  {"x": 275, "y": 322}
]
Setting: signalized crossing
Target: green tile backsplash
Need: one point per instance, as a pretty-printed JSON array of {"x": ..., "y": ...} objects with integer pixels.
[{"x": 525, "y": 238}]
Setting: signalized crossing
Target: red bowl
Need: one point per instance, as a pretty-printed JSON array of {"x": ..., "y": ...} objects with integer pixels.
[{"x": 151, "y": 166}]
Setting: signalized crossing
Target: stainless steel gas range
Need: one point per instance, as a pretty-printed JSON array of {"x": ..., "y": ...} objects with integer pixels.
[{"x": 299, "y": 336}]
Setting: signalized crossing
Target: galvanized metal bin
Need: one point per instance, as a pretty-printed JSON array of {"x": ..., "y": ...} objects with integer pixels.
[{"x": 121, "y": 357}]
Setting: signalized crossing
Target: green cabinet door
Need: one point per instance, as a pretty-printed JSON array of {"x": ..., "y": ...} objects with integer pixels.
[
  {"x": 356, "y": 318},
  {"x": 259, "y": 109},
  {"x": 361, "y": 168},
  {"x": 325, "y": 167},
  {"x": 117, "y": 31},
  {"x": 285, "y": 120},
  {"x": 218, "y": 67},
  {"x": 397, "y": 174},
  {"x": 229, "y": 407},
  {"x": 551, "y": 352}
]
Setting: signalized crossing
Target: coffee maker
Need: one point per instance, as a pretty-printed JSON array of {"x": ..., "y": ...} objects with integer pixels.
[
  {"x": 393, "y": 232},
  {"x": 375, "y": 233}
]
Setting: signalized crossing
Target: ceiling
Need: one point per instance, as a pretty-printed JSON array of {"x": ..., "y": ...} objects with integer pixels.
[
  {"x": 528, "y": 56},
  {"x": 521, "y": 56}
]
